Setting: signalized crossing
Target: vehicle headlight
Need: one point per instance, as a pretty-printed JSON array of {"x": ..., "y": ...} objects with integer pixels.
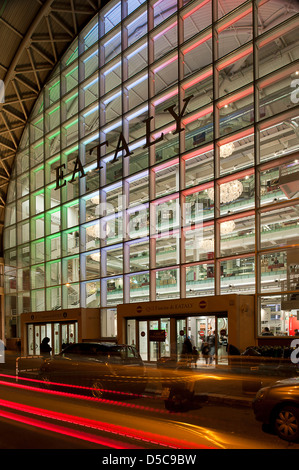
[{"x": 261, "y": 393}]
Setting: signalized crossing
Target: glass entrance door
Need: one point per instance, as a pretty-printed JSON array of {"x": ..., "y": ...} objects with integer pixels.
[
  {"x": 60, "y": 335},
  {"x": 208, "y": 330},
  {"x": 181, "y": 332},
  {"x": 222, "y": 340},
  {"x": 139, "y": 335},
  {"x": 143, "y": 340}
]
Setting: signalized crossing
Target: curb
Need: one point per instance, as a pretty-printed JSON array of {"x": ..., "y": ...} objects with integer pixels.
[{"x": 229, "y": 400}]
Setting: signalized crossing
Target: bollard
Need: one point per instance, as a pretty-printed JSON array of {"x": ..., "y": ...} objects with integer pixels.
[{"x": 2, "y": 352}]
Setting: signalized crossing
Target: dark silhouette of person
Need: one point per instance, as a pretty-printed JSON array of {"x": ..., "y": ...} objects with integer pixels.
[
  {"x": 266, "y": 332},
  {"x": 211, "y": 343},
  {"x": 45, "y": 348},
  {"x": 187, "y": 351},
  {"x": 195, "y": 355}
]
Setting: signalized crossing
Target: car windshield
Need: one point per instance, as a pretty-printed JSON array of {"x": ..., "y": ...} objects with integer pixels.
[{"x": 101, "y": 350}]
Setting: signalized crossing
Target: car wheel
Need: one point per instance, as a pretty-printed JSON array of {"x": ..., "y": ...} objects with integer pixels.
[
  {"x": 46, "y": 381},
  {"x": 287, "y": 423},
  {"x": 179, "y": 401},
  {"x": 97, "y": 389}
]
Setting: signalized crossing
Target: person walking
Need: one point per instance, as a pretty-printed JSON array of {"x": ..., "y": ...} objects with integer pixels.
[
  {"x": 45, "y": 348},
  {"x": 211, "y": 343},
  {"x": 194, "y": 356},
  {"x": 205, "y": 351},
  {"x": 187, "y": 351}
]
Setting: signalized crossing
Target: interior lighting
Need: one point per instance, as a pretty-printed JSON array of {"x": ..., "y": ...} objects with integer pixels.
[
  {"x": 228, "y": 191},
  {"x": 227, "y": 227},
  {"x": 95, "y": 256},
  {"x": 207, "y": 245},
  {"x": 227, "y": 149}
]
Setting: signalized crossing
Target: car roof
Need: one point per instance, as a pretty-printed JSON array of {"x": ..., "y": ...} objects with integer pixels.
[{"x": 100, "y": 343}]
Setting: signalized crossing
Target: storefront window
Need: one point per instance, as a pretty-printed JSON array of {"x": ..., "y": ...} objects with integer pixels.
[
  {"x": 167, "y": 284},
  {"x": 237, "y": 275},
  {"x": 200, "y": 280},
  {"x": 139, "y": 287},
  {"x": 131, "y": 332},
  {"x": 279, "y": 322},
  {"x": 108, "y": 323}
]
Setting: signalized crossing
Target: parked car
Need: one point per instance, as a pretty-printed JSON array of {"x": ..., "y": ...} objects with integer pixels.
[
  {"x": 277, "y": 406},
  {"x": 101, "y": 367}
]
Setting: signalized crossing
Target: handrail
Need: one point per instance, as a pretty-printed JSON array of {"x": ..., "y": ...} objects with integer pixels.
[{"x": 25, "y": 370}]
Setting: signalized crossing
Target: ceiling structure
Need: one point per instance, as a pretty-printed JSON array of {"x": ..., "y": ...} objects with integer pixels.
[{"x": 34, "y": 34}]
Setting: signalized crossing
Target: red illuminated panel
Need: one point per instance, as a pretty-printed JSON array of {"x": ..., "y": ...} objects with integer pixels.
[
  {"x": 166, "y": 97},
  {"x": 198, "y": 43},
  {"x": 231, "y": 60},
  {"x": 207, "y": 73},
  {"x": 197, "y": 7},
  {"x": 241, "y": 175},
  {"x": 166, "y": 130},
  {"x": 278, "y": 76},
  {"x": 278, "y": 33},
  {"x": 198, "y": 115},
  {"x": 236, "y": 97},
  {"x": 165, "y": 64},
  {"x": 233, "y": 20},
  {"x": 240, "y": 135},
  {"x": 166, "y": 164},
  {"x": 164, "y": 199},
  {"x": 197, "y": 153},
  {"x": 237, "y": 216},
  {"x": 202, "y": 187},
  {"x": 198, "y": 226},
  {"x": 165, "y": 30}
]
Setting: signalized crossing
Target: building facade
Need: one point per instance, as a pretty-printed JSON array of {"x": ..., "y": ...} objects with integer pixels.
[{"x": 160, "y": 163}]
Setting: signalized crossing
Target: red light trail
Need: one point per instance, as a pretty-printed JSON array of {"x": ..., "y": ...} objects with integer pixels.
[{"x": 122, "y": 431}]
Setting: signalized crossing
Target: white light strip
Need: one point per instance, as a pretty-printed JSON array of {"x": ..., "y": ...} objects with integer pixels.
[
  {"x": 137, "y": 50},
  {"x": 92, "y": 110},
  {"x": 112, "y": 97},
  {"x": 137, "y": 177},
  {"x": 112, "y": 127},
  {"x": 113, "y": 186},
  {"x": 137, "y": 145},
  {"x": 91, "y": 139},
  {"x": 90, "y": 56},
  {"x": 139, "y": 80},
  {"x": 137, "y": 113},
  {"x": 91, "y": 83},
  {"x": 112, "y": 68}
]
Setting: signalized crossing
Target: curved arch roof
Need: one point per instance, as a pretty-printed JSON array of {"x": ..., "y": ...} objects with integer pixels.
[{"x": 34, "y": 34}]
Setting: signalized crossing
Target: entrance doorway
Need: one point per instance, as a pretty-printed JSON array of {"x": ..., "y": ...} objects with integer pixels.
[
  {"x": 211, "y": 329},
  {"x": 58, "y": 333},
  {"x": 197, "y": 328},
  {"x": 139, "y": 335}
]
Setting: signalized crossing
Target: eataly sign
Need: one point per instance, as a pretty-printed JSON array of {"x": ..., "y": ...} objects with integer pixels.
[{"x": 122, "y": 145}]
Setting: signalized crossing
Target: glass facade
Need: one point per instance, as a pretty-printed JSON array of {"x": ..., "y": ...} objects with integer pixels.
[{"x": 161, "y": 161}]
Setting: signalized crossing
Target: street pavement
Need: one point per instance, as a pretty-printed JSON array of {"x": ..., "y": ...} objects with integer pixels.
[{"x": 214, "y": 384}]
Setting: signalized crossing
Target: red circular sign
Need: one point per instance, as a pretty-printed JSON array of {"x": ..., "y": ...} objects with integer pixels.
[{"x": 202, "y": 304}]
